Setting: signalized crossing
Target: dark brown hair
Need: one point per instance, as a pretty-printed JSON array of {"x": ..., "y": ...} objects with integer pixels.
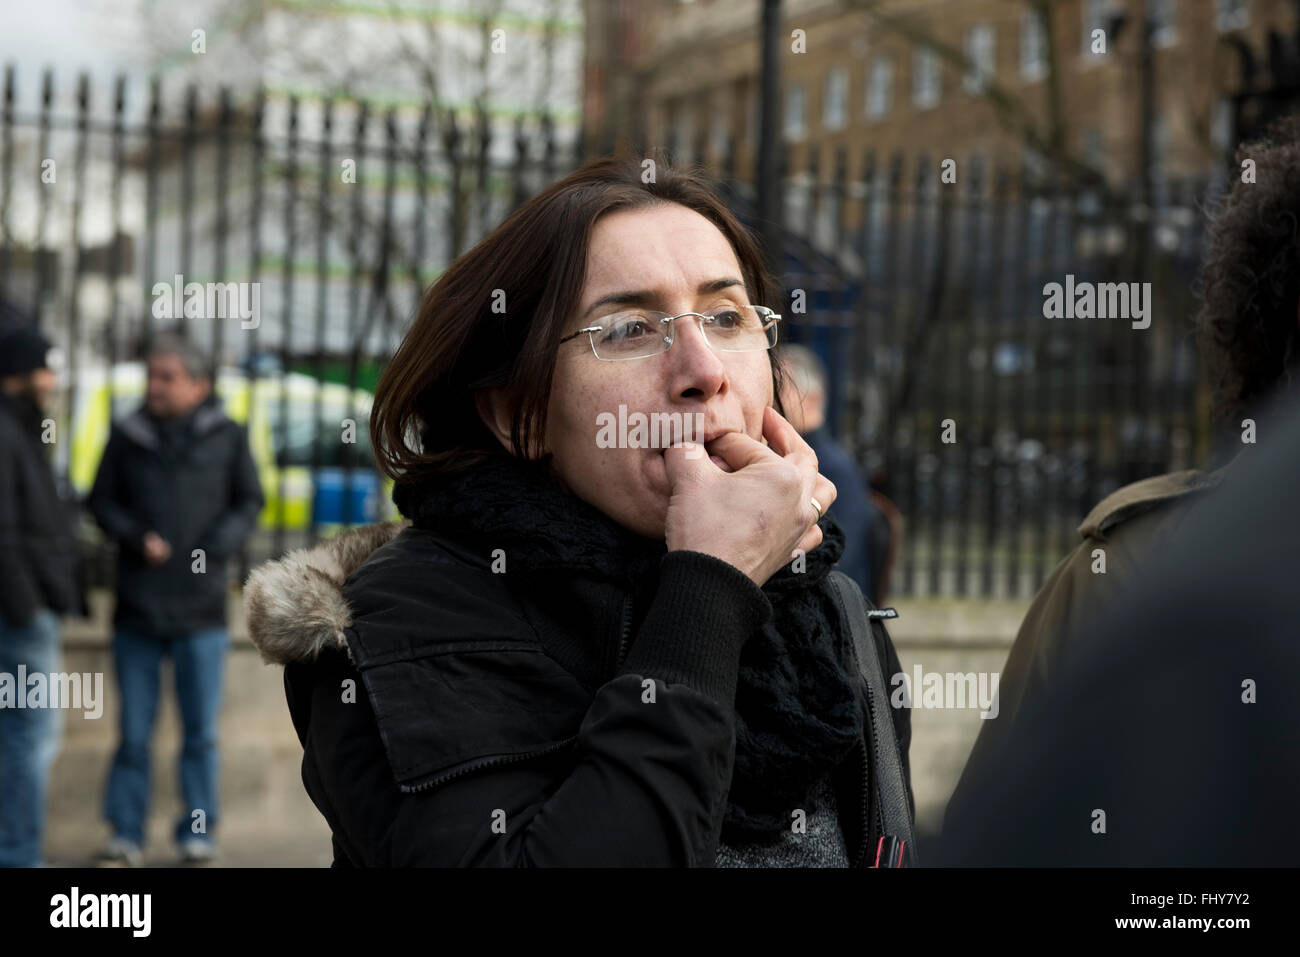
[
  {"x": 537, "y": 260},
  {"x": 1247, "y": 326}
]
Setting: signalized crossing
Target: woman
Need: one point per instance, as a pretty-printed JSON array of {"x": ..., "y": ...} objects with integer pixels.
[{"x": 580, "y": 651}]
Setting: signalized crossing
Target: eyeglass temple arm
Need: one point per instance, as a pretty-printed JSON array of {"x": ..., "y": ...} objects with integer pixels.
[{"x": 579, "y": 333}]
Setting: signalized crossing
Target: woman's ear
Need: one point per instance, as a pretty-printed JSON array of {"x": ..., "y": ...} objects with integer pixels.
[
  {"x": 494, "y": 411},
  {"x": 494, "y": 408}
]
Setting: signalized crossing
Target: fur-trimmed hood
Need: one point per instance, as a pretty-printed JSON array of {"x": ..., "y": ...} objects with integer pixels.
[{"x": 294, "y": 605}]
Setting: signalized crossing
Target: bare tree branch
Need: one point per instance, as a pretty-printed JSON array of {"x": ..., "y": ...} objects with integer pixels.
[{"x": 1012, "y": 109}]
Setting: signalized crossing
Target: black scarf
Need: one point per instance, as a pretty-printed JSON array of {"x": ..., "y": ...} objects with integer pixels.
[{"x": 797, "y": 711}]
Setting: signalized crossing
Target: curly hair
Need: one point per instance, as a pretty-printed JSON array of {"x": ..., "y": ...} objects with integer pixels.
[{"x": 1247, "y": 327}]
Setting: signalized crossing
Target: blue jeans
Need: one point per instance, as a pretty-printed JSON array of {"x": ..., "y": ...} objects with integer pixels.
[
  {"x": 199, "y": 661},
  {"x": 29, "y": 741}
]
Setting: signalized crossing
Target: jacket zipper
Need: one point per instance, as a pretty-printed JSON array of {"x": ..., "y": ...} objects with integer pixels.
[
  {"x": 864, "y": 807},
  {"x": 487, "y": 763},
  {"x": 873, "y": 825}
]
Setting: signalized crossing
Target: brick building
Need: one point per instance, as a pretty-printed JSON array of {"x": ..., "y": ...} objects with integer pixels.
[{"x": 942, "y": 78}]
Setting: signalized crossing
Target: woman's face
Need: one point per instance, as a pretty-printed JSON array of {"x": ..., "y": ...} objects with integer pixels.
[{"x": 674, "y": 260}]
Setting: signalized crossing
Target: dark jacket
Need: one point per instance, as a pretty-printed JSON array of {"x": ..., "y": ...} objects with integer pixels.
[
  {"x": 194, "y": 483},
  {"x": 1125, "y": 530},
  {"x": 38, "y": 550},
  {"x": 1169, "y": 733},
  {"x": 452, "y": 716}
]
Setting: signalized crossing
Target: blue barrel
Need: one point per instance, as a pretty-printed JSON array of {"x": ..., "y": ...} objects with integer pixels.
[{"x": 362, "y": 496}]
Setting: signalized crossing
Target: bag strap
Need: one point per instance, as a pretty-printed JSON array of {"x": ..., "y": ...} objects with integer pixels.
[{"x": 896, "y": 846}]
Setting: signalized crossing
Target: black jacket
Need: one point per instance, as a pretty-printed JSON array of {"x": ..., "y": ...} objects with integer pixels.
[
  {"x": 453, "y": 716},
  {"x": 38, "y": 550},
  {"x": 1167, "y": 733},
  {"x": 194, "y": 483}
]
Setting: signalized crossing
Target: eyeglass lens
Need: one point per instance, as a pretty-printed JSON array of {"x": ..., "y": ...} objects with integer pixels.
[{"x": 638, "y": 333}]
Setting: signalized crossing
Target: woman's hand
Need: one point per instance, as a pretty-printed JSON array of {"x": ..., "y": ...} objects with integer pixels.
[{"x": 756, "y": 516}]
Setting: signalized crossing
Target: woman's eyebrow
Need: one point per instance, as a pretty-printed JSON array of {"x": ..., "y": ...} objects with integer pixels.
[{"x": 642, "y": 297}]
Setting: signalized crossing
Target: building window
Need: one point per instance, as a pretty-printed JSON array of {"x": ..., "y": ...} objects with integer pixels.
[
  {"x": 720, "y": 128},
  {"x": 880, "y": 88},
  {"x": 1162, "y": 15},
  {"x": 925, "y": 77},
  {"x": 1096, "y": 16},
  {"x": 1093, "y": 148},
  {"x": 794, "y": 119},
  {"x": 835, "y": 111},
  {"x": 1033, "y": 46},
  {"x": 1159, "y": 147},
  {"x": 1231, "y": 14},
  {"x": 979, "y": 57},
  {"x": 1221, "y": 123},
  {"x": 1033, "y": 166},
  {"x": 683, "y": 141}
]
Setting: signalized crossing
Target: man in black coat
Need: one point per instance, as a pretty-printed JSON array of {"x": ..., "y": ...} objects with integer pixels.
[
  {"x": 1172, "y": 735},
  {"x": 38, "y": 582},
  {"x": 178, "y": 490}
]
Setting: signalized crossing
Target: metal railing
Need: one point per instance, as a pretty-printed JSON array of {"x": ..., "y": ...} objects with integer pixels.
[{"x": 926, "y": 299}]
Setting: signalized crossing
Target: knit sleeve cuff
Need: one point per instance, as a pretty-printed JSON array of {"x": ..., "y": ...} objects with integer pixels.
[{"x": 701, "y": 617}]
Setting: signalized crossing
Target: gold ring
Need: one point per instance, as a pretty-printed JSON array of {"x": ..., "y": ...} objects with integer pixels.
[{"x": 818, "y": 505}]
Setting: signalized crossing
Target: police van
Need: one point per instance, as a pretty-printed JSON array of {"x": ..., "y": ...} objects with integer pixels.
[{"x": 310, "y": 440}]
